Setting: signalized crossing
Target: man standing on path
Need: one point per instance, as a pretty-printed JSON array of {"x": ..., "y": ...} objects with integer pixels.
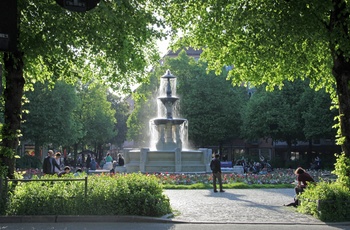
[
  {"x": 216, "y": 169},
  {"x": 49, "y": 164}
]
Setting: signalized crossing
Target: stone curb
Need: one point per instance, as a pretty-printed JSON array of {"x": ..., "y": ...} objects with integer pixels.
[
  {"x": 132, "y": 219},
  {"x": 67, "y": 219}
]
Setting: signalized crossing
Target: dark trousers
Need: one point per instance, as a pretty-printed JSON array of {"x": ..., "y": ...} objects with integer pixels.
[
  {"x": 299, "y": 190},
  {"x": 218, "y": 177}
]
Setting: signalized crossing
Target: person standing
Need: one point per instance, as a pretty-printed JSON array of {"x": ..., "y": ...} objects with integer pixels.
[
  {"x": 88, "y": 161},
  {"x": 216, "y": 169},
  {"x": 120, "y": 160},
  {"x": 58, "y": 161},
  {"x": 47, "y": 163}
]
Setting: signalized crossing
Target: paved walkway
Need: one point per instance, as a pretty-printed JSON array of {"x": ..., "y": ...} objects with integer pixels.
[
  {"x": 237, "y": 206},
  {"x": 244, "y": 207}
]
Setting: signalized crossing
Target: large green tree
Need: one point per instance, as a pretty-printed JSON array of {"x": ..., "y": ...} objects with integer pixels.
[
  {"x": 96, "y": 115},
  {"x": 122, "y": 113},
  {"x": 270, "y": 41},
  {"x": 113, "y": 42},
  {"x": 209, "y": 102},
  {"x": 49, "y": 116},
  {"x": 294, "y": 113}
]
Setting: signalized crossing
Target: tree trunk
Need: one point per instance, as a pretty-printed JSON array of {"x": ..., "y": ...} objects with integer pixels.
[
  {"x": 342, "y": 77},
  {"x": 75, "y": 150},
  {"x": 341, "y": 68},
  {"x": 13, "y": 93}
]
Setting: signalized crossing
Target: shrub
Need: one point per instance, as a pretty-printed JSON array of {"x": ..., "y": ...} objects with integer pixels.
[
  {"x": 326, "y": 201},
  {"x": 129, "y": 194},
  {"x": 342, "y": 169},
  {"x": 27, "y": 161}
]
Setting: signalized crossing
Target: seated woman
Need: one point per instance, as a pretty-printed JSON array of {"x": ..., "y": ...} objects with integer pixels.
[{"x": 303, "y": 178}]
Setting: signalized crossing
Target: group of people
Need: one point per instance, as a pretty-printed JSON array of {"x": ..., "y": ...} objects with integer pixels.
[
  {"x": 256, "y": 167},
  {"x": 53, "y": 164},
  {"x": 108, "y": 163}
]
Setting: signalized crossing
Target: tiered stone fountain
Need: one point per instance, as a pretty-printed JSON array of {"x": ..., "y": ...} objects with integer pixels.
[{"x": 168, "y": 136}]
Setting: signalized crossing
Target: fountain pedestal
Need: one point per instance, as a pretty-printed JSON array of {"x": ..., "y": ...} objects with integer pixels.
[{"x": 146, "y": 160}]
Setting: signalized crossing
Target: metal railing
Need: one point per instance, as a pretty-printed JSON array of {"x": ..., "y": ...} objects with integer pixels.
[{"x": 7, "y": 180}]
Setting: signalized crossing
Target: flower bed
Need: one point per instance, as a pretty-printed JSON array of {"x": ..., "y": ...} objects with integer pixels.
[{"x": 278, "y": 176}]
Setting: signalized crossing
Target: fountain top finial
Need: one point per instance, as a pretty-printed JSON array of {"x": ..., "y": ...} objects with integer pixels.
[{"x": 168, "y": 75}]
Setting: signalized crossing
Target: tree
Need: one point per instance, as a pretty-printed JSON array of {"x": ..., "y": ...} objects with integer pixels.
[
  {"x": 122, "y": 113},
  {"x": 317, "y": 115},
  {"x": 145, "y": 109},
  {"x": 50, "y": 118},
  {"x": 271, "y": 41},
  {"x": 294, "y": 113},
  {"x": 96, "y": 115},
  {"x": 113, "y": 42},
  {"x": 209, "y": 102}
]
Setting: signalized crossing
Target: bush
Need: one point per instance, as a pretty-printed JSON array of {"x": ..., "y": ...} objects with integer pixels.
[
  {"x": 27, "y": 162},
  {"x": 342, "y": 169},
  {"x": 326, "y": 201},
  {"x": 129, "y": 194}
]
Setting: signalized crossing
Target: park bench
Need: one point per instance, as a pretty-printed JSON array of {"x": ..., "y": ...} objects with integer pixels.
[{"x": 226, "y": 164}]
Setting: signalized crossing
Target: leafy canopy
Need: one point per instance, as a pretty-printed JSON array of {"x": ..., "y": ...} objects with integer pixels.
[
  {"x": 114, "y": 42},
  {"x": 266, "y": 41}
]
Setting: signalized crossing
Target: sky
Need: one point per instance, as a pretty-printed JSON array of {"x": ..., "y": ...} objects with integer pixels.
[{"x": 163, "y": 47}]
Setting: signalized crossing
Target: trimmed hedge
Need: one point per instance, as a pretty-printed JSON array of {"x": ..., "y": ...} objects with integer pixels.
[
  {"x": 326, "y": 201},
  {"x": 120, "y": 194}
]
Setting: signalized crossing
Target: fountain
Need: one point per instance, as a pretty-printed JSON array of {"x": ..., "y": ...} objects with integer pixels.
[{"x": 167, "y": 152}]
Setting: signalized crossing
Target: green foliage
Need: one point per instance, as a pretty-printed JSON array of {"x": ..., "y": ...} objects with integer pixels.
[
  {"x": 145, "y": 109},
  {"x": 114, "y": 42},
  {"x": 326, "y": 201},
  {"x": 209, "y": 102},
  {"x": 129, "y": 194},
  {"x": 49, "y": 117},
  {"x": 122, "y": 113},
  {"x": 294, "y": 113},
  {"x": 27, "y": 162},
  {"x": 269, "y": 42},
  {"x": 342, "y": 170},
  {"x": 96, "y": 114},
  {"x": 264, "y": 45}
]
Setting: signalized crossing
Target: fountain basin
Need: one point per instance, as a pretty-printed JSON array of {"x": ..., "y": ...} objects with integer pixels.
[
  {"x": 154, "y": 161},
  {"x": 173, "y": 121}
]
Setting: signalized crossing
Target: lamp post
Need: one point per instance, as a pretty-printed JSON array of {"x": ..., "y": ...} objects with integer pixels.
[
  {"x": 78, "y": 5},
  {"x": 8, "y": 25}
]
